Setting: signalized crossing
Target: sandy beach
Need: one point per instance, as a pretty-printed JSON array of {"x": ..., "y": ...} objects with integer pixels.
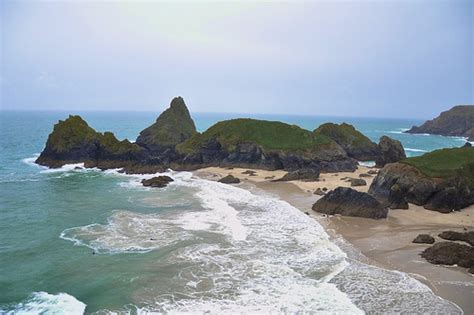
[{"x": 386, "y": 243}]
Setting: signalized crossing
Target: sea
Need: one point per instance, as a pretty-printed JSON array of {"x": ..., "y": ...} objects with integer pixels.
[{"x": 75, "y": 240}]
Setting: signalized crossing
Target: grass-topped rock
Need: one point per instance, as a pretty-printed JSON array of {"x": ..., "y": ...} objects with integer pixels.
[
  {"x": 74, "y": 141},
  {"x": 442, "y": 180},
  {"x": 264, "y": 144},
  {"x": 354, "y": 142},
  {"x": 172, "y": 127}
]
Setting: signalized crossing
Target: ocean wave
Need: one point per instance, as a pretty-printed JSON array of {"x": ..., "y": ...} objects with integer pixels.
[
  {"x": 45, "y": 303},
  {"x": 415, "y": 150},
  {"x": 367, "y": 163}
]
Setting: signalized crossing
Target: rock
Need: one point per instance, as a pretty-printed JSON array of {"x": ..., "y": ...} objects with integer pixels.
[
  {"x": 467, "y": 237},
  {"x": 303, "y": 174},
  {"x": 424, "y": 239},
  {"x": 365, "y": 175},
  {"x": 396, "y": 198},
  {"x": 390, "y": 151},
  {"x": 357, "y": 182},
  {"x": 467, "y": 145},
  {"x": 266, "y": 145},
  {"x": 450, "y": 253},
  {"x": 73, "y": 141},
  {"x": 372, "y": 172},
  {"x": 319, "y": 192},
  {"x": 270, "y": 177},
  {"x": 172, "y": 127},
  {"x": 458, "y": 121},
  {"x": 452, "y": 194},
  {"x": 158, "y": 181},
  {"x": 325, "y": 189},
  {"x": 350, "y": 202},
  {"x": 250, "y": 173},
  {"x": 352, "y": 141},
  {"x": 229, "y": 179}
]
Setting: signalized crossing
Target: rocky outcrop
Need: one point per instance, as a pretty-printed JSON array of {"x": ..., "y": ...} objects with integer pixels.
[
  {"x": 172, "y": 127},
  {"x": 441, "y": 180},
  {"x": 391, "y": 151},
  {"x": 229, "y": 179},
  {"x": 424, "y": 239},
  {"x": 73, "y": 141},
  {"x": 158, "y": 181},
  {"x": 352, "y": 141},
  {"x": 450, "y": 253},
  {"x": 303, "y": 174},
  {"x": 458, "y": 121},
  {"x": 349, "y": 202},
  {"x": 266, "y": 145},
  {"x": 467, "y": 237}
]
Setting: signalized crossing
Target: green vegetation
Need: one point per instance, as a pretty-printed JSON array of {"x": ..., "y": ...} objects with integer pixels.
[
  {"x": 446, "y": 163},
  {"x": 345, "y": 135},
  {"x": 71, "y": 133},
  {"x": 271, "y": 135},
  {"x": 111, "y": 144},
  {"x": 173, "y": 126}
]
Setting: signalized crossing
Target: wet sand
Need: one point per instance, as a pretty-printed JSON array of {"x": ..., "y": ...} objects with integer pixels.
[{"x": 386, "y": 243}]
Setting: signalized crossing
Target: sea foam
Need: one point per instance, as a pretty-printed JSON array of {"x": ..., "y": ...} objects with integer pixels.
[{"x": 45, "y": 303}]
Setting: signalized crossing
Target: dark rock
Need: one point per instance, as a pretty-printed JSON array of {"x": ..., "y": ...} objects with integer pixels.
[
  {"x": 352, "y": 141},
  {"x": 350, "y": 202},
  {"x": 325, "y": 189},
  {"x": 303, "y": 174},
  {"x": 396, "y": 198},
  {"x": 270, "y": 177},
  {"x": 357, "y": 182},
  {"x": 372, "y": 172},
  {"x": 467, "y": 145},
  {"x": 319, "y": 192},
  {"x": 417, "y": 188},
  {"x": 365, "y": 175},
  {"x": 250, "y": 173},
  {"x": 391, "y": 151},
  {"x": 467, "y": 237},
  {"x": 424, "y": 239},
  {"x": 450, "y": 253},
  {"x": 229, "y": 179},
  {"x": 158, "y": 181},
  {"x": 172, "y": 127},
  {"x": 458, "y": 121}
]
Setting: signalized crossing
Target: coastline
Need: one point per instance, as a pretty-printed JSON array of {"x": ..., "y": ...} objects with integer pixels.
[{"x": 385, "y": 243}]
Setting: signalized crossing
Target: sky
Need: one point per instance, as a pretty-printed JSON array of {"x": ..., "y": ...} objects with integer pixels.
[{"x": 407, "y": 59}]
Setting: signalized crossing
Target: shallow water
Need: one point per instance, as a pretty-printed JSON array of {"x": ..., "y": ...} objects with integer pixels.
[{"x": 74, "y": 239}]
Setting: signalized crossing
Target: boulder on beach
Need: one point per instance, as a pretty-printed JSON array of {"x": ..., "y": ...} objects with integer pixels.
[
  {"x": 391, "y": 151},
  {"x": 424, "y": 239},
  {"x": 158, "y": 181},
  {"x": 229, "y": 179},
  {"x": 357, "y": 182},
  {"x": 302, "y": 174},
  {"x": 467, "y": 237},
  {"x": 349, "y": 202},
  {"x": 450, "y": 253},
  {"x": 319, "y": 192}
]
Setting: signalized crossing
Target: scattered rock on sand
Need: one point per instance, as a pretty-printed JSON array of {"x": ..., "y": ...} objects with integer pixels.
[
  {"x": 229, "y": 179},
  {"x": 357, "y": 182},
  {"x": 450, "y": 253},
  {"x": 305, "y": 174},
  {"x": 270, "y": 177},
  {"x": 325, "y": 189},
  {"x": 365, "y": 175},
  {"x": 350, "y": 202},
  {"x": 372, "y": 172},
  {"x": 467, "y": 237},
  {"x": 158, "y": 181},
  {"x": 424, "y": 239},
  {"x": 250, "y": 173}
]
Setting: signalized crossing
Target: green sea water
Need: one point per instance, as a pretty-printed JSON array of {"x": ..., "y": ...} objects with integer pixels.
[{"x": 75, "y": 240}]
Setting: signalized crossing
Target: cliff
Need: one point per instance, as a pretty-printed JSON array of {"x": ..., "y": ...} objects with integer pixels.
[{"x": 458, "y": 121}]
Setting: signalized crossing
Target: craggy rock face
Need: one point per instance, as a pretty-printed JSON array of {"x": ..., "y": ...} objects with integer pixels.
[
  {"x": 399, "y": 183},
  {"x": 391, "y": 151},
  {"x": 349, "y": 202},
  {"x": 73, "y": 141},
  {"x": 172, "y": 127},
  {"x": 354, "y": 143}
]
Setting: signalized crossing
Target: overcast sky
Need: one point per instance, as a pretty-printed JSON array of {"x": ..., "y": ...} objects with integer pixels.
[{"x": 352, "y": 58}]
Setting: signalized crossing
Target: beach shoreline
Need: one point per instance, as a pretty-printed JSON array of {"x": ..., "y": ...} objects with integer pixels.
[{"x": 385, "y": 243}]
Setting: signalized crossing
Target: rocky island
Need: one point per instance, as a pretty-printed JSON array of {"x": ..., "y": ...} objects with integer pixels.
[{"x": 458, "y": 121}]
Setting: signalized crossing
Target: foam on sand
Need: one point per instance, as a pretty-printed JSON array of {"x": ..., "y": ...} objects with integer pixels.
[{"x": 45, "y": 303}]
